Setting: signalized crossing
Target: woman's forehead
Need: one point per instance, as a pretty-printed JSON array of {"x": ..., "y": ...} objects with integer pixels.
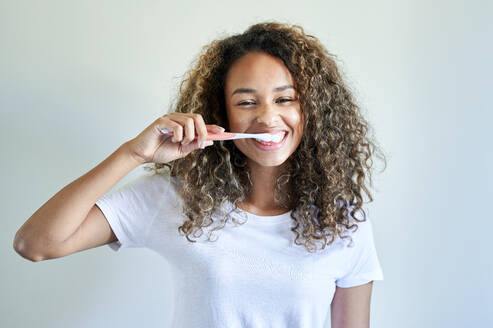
[{"x": 258, "y": 73}]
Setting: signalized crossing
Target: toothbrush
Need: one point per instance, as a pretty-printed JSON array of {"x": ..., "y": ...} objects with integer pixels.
[{"x": 232, "y": 135}]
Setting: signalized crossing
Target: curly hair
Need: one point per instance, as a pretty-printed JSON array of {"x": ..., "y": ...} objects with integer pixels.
[{"x": 327, "y": 169}]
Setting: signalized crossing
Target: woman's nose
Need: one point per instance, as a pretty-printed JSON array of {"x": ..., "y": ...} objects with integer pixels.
[{"x": 267, "y": 114}]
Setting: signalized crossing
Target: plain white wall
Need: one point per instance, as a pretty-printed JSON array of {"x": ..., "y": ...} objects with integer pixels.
[{"x": 79, "y": 78}]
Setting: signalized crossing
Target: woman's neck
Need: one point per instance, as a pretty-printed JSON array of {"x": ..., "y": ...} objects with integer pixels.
[{"x": 261, "y": 198}]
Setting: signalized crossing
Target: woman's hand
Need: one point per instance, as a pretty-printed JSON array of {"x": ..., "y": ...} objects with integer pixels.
[{"x": 153, "y": 146}]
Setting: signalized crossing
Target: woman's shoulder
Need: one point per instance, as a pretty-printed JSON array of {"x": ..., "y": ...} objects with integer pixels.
[{"x": 155, "y": 183}]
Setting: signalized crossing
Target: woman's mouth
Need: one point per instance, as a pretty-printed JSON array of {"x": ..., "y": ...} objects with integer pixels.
[{"x": 270, "y": 145}]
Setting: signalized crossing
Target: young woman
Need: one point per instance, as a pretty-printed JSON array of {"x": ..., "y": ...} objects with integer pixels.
[{"x": 288, "y": 243}]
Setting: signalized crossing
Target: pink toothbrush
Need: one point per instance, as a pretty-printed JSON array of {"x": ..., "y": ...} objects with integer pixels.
[{"x": 232, "y": 135}]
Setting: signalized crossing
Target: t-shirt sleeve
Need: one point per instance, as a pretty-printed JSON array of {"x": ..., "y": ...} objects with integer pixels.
[
  {"x": 363, "y": 265},
  {"x": 130, "y": 209}
]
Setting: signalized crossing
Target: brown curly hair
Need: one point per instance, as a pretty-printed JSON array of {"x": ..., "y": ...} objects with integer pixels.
[{"x": 326, "y": 170}]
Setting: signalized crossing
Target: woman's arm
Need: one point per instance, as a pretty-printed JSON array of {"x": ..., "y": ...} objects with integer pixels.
[
  {"x": 350, "y": 307},
  {"x": 52, "y": 225}
]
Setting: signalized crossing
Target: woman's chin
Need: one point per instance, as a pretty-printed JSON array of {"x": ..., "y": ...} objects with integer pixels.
[{"x": 269, "y": 162}]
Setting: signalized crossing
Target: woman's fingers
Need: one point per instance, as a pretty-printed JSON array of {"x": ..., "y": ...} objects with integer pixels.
[
  {"x": 187, "y": 126},
  {"x": 214, "y": 128},
  {"x": 200, "y": 128},
  {"x": 189, "y": 131},
  {"x": 176, "y": 127},
  {"x": 182, "y": 127},
  {"x": 152, "y": 146}
]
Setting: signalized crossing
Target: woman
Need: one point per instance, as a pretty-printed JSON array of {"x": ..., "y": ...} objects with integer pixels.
[{"x": 281, "y": 213}]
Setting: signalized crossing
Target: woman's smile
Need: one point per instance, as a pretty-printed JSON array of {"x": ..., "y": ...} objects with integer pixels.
[{"x": 271, "y": 145}]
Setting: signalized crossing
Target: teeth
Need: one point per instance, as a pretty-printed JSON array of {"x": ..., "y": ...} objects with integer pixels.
[
  {"x": 275, "y": 138},
  {"x": 263, "y": 142},
  {"x": 278, "y": 137}
]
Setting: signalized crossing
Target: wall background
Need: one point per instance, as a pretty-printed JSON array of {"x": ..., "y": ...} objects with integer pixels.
[{"x": 79, "y": 78}]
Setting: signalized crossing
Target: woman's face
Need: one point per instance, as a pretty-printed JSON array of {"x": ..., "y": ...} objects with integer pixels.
[{"x": 260, "y": 98}]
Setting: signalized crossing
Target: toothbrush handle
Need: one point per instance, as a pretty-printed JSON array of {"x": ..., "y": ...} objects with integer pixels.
[
  {"x": 228, "y": 135},
  {"x": 210, "y": 135}
]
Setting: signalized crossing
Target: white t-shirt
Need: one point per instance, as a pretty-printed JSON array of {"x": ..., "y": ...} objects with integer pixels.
[{"x": 252, "y": 275}]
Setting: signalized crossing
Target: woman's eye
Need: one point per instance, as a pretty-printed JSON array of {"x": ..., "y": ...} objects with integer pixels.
[
  {"x": 282, "y": 100},
  {"x": 245, "y": 103}
]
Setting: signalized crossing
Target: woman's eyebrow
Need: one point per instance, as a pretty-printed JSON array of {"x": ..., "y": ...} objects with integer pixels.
[{"x": 248, "y": 90}]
